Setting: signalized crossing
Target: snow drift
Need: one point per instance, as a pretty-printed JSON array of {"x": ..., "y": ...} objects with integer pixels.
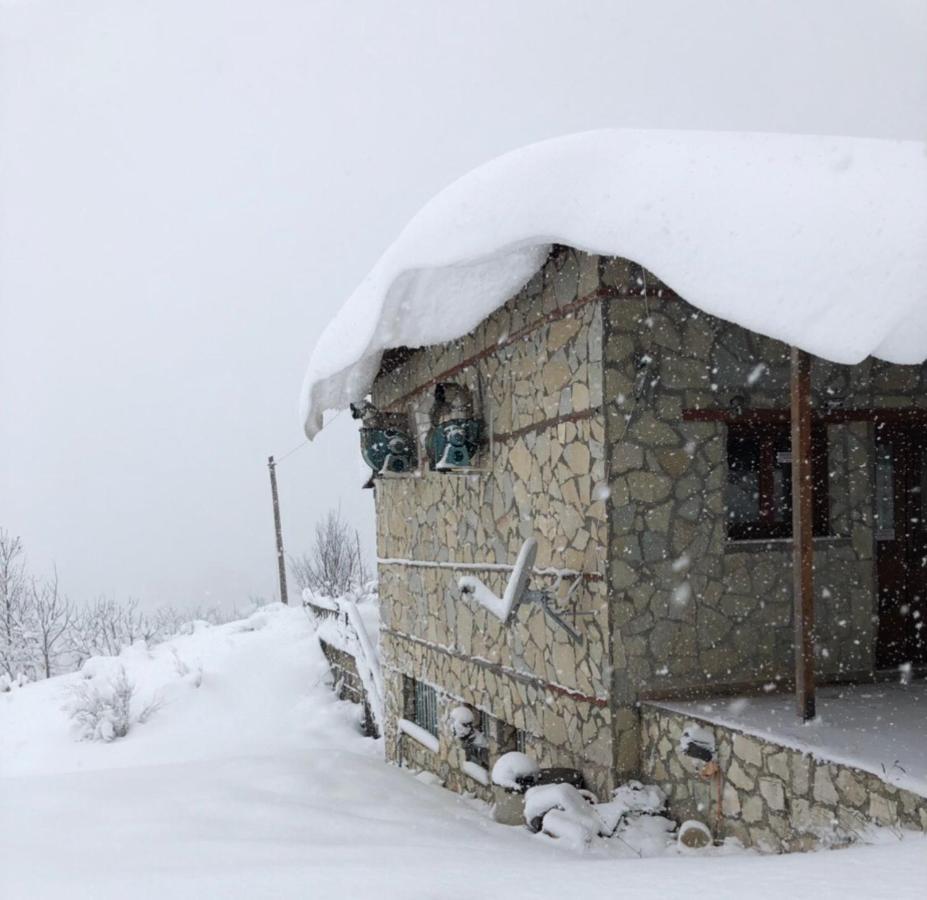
[
  {"x": 816, "y": 241},
  {"x": 253, "y": 781}
]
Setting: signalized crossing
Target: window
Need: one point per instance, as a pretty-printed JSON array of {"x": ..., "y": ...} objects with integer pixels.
[
  {"x": 425, "y": 707},
  {"x": 759, "y": 483},
  {"x": 885, "y": 492},
  {"x": 477, "y": 750},
  {"x": 512, "y": 738}
]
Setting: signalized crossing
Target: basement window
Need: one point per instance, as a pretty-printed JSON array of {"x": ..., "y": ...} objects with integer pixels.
[
  {"x": 424, "y": 712},
  {"x": 512, "y": 738},
  {"x": 758, "y": 497},
  {"x": 477, "y": 750}
]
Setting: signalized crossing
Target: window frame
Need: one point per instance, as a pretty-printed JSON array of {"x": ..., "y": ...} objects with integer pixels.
[{"x": 772, "y": 439}]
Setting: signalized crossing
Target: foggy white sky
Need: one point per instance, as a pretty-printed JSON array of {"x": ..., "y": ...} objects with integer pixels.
[{"x": 189, "y": 188}]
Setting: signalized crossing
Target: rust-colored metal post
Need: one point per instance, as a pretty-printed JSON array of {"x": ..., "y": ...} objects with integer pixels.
[
  {"x": 281, "y": 561},
  {"x": 802, "y": 533}
]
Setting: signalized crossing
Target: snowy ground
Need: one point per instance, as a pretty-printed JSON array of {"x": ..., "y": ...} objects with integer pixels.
[
  {"x": 256, "y": 784},
  {"x": 879, "y": 728}
]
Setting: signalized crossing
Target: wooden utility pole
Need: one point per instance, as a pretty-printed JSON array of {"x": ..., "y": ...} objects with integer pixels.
[
  {"x": 802, "y": 532},
  {"x": 281, "y": 562}
]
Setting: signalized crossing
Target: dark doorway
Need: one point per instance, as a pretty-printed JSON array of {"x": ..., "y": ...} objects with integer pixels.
[{"x": 901, "y": 545}]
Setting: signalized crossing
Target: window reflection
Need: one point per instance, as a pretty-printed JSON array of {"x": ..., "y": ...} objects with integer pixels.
[{"x": 885, "y": 491}]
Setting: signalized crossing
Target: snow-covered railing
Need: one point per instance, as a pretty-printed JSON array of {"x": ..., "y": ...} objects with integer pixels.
[
  {"x": 368, "y": 662},
  {"x": 353, "y": 639}
]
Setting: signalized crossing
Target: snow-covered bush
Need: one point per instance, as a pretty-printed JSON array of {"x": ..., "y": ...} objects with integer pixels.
[{"x": 100, "y": 707}]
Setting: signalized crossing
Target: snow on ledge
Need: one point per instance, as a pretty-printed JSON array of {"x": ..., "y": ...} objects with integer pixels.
[
  {"x": 475, "y": 771},
  {"x": 816, "y": 241},
  {"x": 419, "y": 734}
]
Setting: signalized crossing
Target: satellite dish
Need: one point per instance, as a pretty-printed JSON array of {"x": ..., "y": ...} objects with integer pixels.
[
  {"x": 518, "y": 580},
  {"x": 503, "y": 607},
  {"x": 517, "y": 592}
]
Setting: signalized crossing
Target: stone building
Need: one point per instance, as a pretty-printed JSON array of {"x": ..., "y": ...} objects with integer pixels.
[{"x": 645, "y": 445}]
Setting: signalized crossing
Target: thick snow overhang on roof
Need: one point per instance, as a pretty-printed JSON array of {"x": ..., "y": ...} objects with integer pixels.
[{"x": 817, "y": 241}]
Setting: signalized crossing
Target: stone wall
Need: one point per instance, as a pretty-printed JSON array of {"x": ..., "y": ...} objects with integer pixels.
[
  {"x": 536, "y": 366},
  {"x": 559, "y": 729},
  {"x": 772, "y": 797},
  {"x": 692, "y": 609}
]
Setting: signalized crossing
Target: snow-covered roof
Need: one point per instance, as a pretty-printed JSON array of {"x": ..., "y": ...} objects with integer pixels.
[{"x": 817, "y": 241}]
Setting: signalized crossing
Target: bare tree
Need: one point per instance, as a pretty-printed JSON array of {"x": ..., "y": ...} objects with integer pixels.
[
  {"x": 43, "y": 634},
  {"x": 52, "y": 618},
  {"x": 334, "y": 565},
  {"x": 168, "y": 621},
  {"x": 15, "y": 652},
  {"x": 106, "y": 626}
]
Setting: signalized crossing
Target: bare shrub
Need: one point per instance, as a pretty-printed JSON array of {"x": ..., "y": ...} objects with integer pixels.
[
  {"x": 151, "y": 707},
  {"x": 334, "y": 565},
  {"x": 193, "y": 675},
  {"x": 101, "y": 709},
  {"x": 180, "y": 667}
]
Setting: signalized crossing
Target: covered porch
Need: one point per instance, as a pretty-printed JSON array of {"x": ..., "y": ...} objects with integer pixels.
[{"x": 779, "y": 783}]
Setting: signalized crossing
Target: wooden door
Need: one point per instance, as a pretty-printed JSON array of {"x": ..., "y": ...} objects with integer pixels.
[{"x": 901, "y": 545}]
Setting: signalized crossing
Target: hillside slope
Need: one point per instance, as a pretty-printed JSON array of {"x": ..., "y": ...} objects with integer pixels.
[{"x": 251, "y": 780}]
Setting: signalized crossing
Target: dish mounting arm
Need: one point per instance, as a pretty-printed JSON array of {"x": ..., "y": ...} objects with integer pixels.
[{"x": 517, "y": 592}]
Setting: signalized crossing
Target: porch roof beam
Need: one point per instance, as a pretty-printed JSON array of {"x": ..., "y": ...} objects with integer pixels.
[
  {"x": 758, "y": 415},
  {"x": 802, "y": 532}
]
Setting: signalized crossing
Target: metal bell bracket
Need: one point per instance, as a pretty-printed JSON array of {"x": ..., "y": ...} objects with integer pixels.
[{"x": 517, "y": 592}]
